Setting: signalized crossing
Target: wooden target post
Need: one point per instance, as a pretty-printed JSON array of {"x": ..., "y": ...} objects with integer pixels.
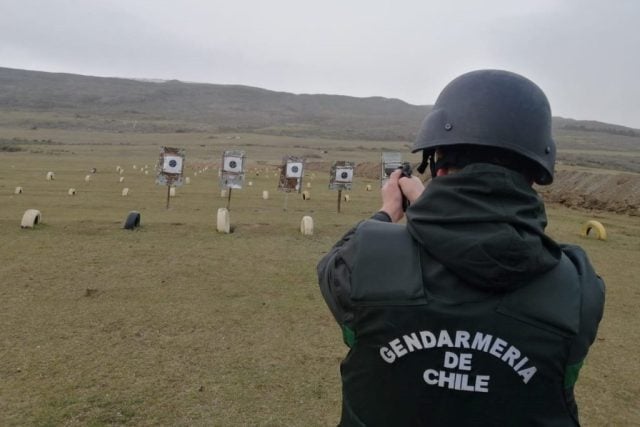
[{"x": 229, "y": 199}]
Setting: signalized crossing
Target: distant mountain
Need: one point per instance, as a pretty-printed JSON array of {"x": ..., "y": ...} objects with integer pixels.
[
  {"x": 212, "y": 107},
  {"x": 594, "y": 126},
  {"x": 99, "y": 103}
]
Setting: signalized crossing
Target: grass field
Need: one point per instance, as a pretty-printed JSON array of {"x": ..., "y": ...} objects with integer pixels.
[{"x": 175, "y": 324}]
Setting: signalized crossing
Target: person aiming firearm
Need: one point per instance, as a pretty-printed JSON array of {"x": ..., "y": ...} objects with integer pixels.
[{"x": 468, "y": 314}]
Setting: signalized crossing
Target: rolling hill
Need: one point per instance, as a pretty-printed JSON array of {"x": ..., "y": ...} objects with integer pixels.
[
  {"x": 207, "y": 107},
  {"x": 172, "y": 106}
]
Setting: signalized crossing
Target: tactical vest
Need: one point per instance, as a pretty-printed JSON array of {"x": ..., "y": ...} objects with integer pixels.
[{"x": 495, "y": 360}]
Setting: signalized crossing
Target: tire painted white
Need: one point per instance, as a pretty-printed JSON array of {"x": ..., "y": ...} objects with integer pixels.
[
  {"x": 31, "y": 218},
  {"x": 121, "y": 179},
  {"x": 368, "y": 187},
  {"x": 18, "y": 190},
  {"x": 125, "y": 192},
  {"x": 187, "y": 180},
  {"x": 51, "y": 176},
  {"x": 172, "y": 191},
  {"x": 308, "y": 185},
  {"x": 347, "y": 198},
  {"x": 223, "y": 224},
  {"x": 306, "y": 226},
  {"x": 71, "y": 192},
  {"x": 306, "y": 195},
  {"x": 87, "y": 178},
  {"x": 265, "y": 195}
]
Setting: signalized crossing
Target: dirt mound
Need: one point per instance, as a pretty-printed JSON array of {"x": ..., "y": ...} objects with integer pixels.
[
  {"x": 368, "y": 170},
  {"x": 590, "y": 190},
  {"x": 607, "y": 191}
]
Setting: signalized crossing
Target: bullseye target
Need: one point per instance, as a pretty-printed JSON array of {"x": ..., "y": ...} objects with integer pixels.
[
  {"x": 294, "y": 170},
  {"x": 232, "y": 164},
  {"x": 170, "y": 167},
  {"x": 344, "y": 175},
  {"x": 291, "y": 174},
  {"x": 172, "y": 164},
  {"x": 341, "y": 175}
]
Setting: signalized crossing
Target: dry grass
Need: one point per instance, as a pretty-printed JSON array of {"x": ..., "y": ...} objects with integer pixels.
[{"x": 175, "y": 324}]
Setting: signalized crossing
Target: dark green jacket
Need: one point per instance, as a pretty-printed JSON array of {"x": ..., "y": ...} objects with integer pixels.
[{"x": 511, "y": 312}]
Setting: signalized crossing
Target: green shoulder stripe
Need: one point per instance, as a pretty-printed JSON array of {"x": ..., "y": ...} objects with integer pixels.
[
  {"x": 348, "y": 336},
  {"x": 571, "y": 374}
]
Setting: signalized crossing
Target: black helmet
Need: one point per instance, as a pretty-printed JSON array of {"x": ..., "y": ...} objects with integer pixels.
[{"x": 493, "y": 108}]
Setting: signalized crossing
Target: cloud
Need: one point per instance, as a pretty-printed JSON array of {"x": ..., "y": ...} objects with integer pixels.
[{"x": 582, "y": 53}]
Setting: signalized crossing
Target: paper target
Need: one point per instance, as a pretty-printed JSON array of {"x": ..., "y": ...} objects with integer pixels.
[
  {"x": 389, "y": 163},
  {"x": 291, "y": 174},
  {"x": 232, "y": 164},
  {"x": 344, "y": 175},
  {"x": 341, "y": 175},
  {"x": 294, "y": 170},
  {"x": 172, "y": 164}
]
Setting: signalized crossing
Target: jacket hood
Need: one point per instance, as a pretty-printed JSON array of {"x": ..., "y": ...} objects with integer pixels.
[{"x": 486, "y": 225}]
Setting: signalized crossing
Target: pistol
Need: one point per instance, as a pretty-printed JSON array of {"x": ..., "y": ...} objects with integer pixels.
[{"x": 406, "y": 172}]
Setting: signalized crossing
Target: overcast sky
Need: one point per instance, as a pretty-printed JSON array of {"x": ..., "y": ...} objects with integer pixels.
[{"x": 584, "y": 54}]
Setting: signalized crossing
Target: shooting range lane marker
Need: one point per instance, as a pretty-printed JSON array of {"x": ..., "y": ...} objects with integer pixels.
[
  {"x": 601, "y": 233},
  {"x": 172, "y": 191},
  {"x": 121, "y": 179},
  {"x": 87, "y": 178},
  {"x": 306, "y": 195},
  {"x": 125, "y": 192},
  {"x": 31, "y": 218},
  {"x": 223, "y": 223},
  {"x": 71, "y": 192},
  {"x": 18, "y": 190},
  {"x": 132, "y": 221},
  {"x": 306, "y": 226},
  {"x": 265, "y": 195},
  {"x": 51, "y": 176}
]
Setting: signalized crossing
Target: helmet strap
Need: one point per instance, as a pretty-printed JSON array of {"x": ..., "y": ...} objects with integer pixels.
[{"x": 426, "y": 157}]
